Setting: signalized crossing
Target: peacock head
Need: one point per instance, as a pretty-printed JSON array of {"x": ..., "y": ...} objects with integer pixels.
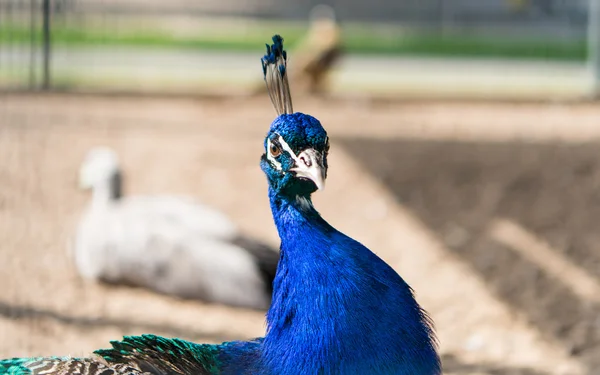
[
  {"x": 295, "y": 158},
  {"x": 296, "y": 146}
]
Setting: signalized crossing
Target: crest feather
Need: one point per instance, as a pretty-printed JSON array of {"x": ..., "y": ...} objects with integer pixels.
[{"x": 274, "y": 65}]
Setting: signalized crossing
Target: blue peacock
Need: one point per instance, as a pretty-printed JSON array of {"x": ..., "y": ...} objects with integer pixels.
[{"x": 336, "y": 308}]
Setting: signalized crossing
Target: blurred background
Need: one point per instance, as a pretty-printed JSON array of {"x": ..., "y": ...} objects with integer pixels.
[{"x": 465, "y": 152}]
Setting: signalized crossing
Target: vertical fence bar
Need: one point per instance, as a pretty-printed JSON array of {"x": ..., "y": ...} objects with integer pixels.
[
  {"x": 12, "y": 50},
  {"x": 32, "y": 40},
  {"x": 594, "y": 46},
  {"x": 46, "y": 42},
  {"x": 4, "y": 48}
]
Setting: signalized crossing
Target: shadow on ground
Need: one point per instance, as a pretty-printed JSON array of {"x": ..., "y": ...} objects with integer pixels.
[
  {"x": 459, "y": 189},
  {"x": 17, "y": 312},
  {"x": 453, "y": 366}
]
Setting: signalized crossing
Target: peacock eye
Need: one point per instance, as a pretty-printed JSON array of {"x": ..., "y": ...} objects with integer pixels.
[
  {"x": 275, "y": 150},
  {"x": 327, "y": 145}
]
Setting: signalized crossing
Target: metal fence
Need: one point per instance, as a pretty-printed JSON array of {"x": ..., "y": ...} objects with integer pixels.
[
  {"x": 26, "y": 26},
  {"x": 29, "y": 16}
]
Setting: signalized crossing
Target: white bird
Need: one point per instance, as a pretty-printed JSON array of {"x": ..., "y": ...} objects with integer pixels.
[{"x": 169, "y": 244}]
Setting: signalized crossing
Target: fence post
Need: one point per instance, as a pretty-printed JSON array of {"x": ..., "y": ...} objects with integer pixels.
[
  {"x": 594, "y": 46},
  {"x": 46, "y": 43},
  {"x": 32, "y": 47}
]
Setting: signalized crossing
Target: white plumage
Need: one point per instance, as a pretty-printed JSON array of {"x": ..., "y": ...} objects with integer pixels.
[{"x": 170, "y": 244}]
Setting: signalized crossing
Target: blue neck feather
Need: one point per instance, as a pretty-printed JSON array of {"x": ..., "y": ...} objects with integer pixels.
[{"x": 337, "y": 308}]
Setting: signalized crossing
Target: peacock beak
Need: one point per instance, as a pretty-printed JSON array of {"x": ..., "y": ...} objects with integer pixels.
[{"x": 309, "y": 164}]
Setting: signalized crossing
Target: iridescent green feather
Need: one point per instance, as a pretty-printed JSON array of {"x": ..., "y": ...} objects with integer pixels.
[
  {"x": 134, "y": 355},
  {"x": 161, "y": 355},
  {"x": 15, "y": 366}
]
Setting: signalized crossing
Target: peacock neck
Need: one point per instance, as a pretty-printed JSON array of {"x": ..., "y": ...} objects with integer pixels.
[
  {"x": 294, "y": 215},
  {"x": 337, "y": 308},
  {"x": 303, "y": 331}
]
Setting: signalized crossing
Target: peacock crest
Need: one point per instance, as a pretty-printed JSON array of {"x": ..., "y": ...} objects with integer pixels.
[{"x": 274, "y": 65}]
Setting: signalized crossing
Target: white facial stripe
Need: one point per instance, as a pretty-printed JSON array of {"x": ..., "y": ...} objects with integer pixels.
[
  {"x": 287, "y": 148},
  {"x": 271, "y": 158}
]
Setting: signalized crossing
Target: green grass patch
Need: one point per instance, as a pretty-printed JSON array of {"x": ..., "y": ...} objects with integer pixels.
[
  {"x": 359, "y": 40},
  {"x": 146, "y": 38},
  {"x": 461, "y": 45}
]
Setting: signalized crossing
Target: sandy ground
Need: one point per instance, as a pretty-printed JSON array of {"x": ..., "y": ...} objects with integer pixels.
[{"x": 487, "y": 210}]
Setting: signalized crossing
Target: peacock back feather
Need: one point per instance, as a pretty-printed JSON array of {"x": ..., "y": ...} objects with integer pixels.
[
  {"x": 147, "y": 355},
  {"x": 64, "y": 366}
]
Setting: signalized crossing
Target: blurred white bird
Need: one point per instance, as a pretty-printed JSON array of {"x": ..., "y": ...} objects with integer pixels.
[{"x": 170, "y": 244}]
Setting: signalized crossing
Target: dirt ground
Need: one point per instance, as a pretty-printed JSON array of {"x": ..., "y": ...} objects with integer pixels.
[{"x": 489, "y": 210}]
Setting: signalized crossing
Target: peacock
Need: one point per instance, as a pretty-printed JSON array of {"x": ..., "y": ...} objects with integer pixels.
[
  {"x": 169, "y": 244},
  {"x": 318, "y": 52},
  {"x": 337, "y": 308}
]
